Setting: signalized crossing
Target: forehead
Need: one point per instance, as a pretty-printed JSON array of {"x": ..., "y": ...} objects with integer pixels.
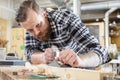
[{"x": 31, "y": 19}]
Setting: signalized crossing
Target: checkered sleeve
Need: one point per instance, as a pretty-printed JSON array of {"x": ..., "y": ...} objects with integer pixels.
[
  {"x": 83, "y": 41},
  {"x": 31, "y": 46}
]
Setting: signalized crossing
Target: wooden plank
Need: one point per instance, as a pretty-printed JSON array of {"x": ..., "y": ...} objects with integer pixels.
[
  {"x": 7, "y": 73},
  {"x": 76, "y": 74},
  {"x": 65, "y": 73}
]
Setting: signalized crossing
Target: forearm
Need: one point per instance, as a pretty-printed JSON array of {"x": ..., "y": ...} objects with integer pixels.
[
  {"x": 97, "y": 56},
  {"x": 89, "y": 60},
  {"x": 37, "y": 58},
  {"x": 29, "y": 51}
]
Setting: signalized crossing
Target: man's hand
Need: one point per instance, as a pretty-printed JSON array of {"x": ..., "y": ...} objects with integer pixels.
[
  {"x": 68, "y": 56},
  {"x": 49, "y": 55},
  {"x": 42, "y": 57}
]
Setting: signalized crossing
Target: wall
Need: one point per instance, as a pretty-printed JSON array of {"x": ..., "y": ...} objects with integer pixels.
[
  {"x": 3, "y": 28},
  {"x": 116, "y": 40},
  {"x": 17, "y": 41},
  {"x": 7, "y": 14}
]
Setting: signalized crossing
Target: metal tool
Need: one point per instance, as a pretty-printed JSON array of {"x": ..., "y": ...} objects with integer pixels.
[
  {"x": 42, "y": 77},
  {"x": 56, "y": 54}
]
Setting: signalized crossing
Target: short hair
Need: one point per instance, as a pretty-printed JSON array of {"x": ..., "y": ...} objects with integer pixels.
[{"x": 23, "y": 9}]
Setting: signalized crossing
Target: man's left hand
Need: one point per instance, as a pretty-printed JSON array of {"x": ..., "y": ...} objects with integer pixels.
[{"x": 68, "y": 56}]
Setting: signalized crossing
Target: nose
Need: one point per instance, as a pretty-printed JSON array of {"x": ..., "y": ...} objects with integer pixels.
[{"x": 36, "y": 31}]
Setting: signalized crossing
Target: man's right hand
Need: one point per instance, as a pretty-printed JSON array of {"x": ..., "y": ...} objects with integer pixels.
[
  {"x": 42, "y": 57},
  {"x": 49, "y": 55}
]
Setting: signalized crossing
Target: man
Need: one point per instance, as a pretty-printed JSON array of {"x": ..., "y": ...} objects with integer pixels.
[{"x": 63, "y": 29}]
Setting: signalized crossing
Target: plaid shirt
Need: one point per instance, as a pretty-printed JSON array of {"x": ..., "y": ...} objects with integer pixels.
[{"x": 67, "y": 32}]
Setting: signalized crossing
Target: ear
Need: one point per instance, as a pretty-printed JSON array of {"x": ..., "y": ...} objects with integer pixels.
[{"x": 44, "y": 14}]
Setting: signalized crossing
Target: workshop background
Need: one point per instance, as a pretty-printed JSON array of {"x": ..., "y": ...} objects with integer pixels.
[{"x": 102, "y": 17}]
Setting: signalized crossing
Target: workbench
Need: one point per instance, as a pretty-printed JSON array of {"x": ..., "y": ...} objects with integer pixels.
[{"x": 6, "y": 73}]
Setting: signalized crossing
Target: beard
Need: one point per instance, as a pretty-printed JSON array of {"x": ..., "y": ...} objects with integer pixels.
[{"x": 46, "y": 36}]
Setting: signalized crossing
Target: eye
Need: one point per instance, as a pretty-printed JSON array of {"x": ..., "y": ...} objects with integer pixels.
[
  {"x": 38, "y": 25},
  {"x": 30, "y": 30}
]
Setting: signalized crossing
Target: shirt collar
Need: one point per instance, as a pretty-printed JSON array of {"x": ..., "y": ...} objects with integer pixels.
[{"x": 52, "y": 23}]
